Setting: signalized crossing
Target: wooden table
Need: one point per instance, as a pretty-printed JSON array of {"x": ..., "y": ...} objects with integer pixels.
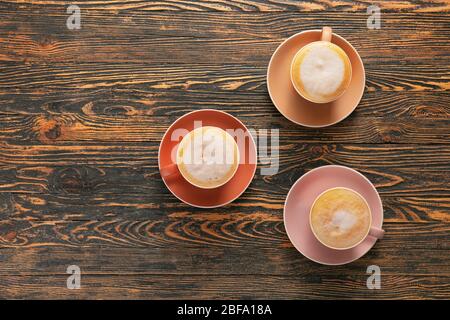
[{"x": 83, "y": 111}]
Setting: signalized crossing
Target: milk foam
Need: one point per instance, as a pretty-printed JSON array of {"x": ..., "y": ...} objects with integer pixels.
[
  {"x": 340, "y": 218},
  {"x": 342, "y": 221},
  {"x": 207, "y": 156},
  {"x": 321, "y": 71}
]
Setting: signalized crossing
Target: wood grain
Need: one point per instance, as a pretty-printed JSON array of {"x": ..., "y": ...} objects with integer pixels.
[
  {"x": 112, "y": 205},
  {"x": 225, "y": 287},
  {"x": 202, "y": 229},
  {"x": 70, "y": 129},
  {"x": 275, "y": 258},
  {"x": 139, "y": 90},
  {"x": 82, "y": 113},
  {"x": 132, "y": 168},
  {"x": 167, "y": 38},
  {"x": 415, "y": 6}
]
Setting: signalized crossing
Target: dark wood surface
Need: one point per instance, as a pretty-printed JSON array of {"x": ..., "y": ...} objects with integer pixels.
[{"x": 82, "y": 113}]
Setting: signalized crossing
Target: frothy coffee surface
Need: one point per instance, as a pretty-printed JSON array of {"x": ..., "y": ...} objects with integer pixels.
[
  {"x": 321, "y": 71},
  {"x": 340, "y": 218},
  {"x": 208, "y": 157}
]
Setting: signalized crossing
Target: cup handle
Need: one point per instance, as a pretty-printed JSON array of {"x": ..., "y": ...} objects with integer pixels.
[
  {"x": 326, "y": 34},
  {"x": 376, "y": 232},
  {"x": 170, "y": 171}
]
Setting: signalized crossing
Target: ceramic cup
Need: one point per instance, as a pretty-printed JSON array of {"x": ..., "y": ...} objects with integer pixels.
[
  {"x": 371, "y": 230},
  {"x": 325, "y": 41},
  {"x": 201, "y": 197}
]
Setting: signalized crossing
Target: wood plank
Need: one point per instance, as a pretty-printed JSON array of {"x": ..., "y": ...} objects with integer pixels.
[
  {"x": 392, "y": 91},
  {"x": 69, "y": 129},
  {"x": 276, "y": 258},
  {"x": 225, "y": 287},
  {"x": 128, "y": 202},
  {"x": 37, "y": 80},
  {"x": 234, "y": 229},
  {"x": 104, "y": 205},
  {"x": 369, "y": 158},
  {"x": 94, "y": 173},
  {"x": 40, "y": 35},
  {"x": 138, "y": 105}
]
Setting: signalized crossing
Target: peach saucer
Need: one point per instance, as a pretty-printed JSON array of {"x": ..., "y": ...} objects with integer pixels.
[
  {"x": 209, "y": 198},
  {"x": 291, "y": 104},
  {"x": 300, "y": 199}
]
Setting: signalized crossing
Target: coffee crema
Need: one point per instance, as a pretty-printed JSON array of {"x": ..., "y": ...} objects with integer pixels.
[
  {"x": 321, "y": 71},
  {"x": 340, "y": 218},
  {"x": 208, "y": 157}
]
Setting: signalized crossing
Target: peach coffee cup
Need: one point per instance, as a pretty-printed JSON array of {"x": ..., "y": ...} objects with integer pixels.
[
  {"x": 371, "y": 230},
  {"x": 325, "y": 37}
]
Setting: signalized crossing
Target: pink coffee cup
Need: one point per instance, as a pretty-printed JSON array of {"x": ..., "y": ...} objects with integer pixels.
[{"x": 371, "y": 231}]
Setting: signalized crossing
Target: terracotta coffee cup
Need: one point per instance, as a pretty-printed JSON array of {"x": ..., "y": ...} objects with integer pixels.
[{"x": 185, "y": 156}]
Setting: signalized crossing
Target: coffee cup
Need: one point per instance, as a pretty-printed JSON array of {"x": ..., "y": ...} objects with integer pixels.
[
  {"x": 207, "y": 157},
  {"x": 321, "y": 71},
  {"x": 340, "y": 218}
]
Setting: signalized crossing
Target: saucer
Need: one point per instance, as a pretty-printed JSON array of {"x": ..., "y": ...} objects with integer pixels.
[
  {"x": 209, "y": 198},
  {"x": 300, "y": 199},
  {"x": 291, "y": 104}
]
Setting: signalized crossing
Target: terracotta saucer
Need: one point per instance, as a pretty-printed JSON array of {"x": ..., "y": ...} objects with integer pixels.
[
  {"x": 300, "y": 199},
  {"x": 291, "y": 104},
  {"x": 208, "y": 198}
]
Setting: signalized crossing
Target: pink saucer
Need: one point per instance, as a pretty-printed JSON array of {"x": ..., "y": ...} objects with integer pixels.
[
  {"x": 209, "y": 198},
  {"x": 301, "y": 197}
]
